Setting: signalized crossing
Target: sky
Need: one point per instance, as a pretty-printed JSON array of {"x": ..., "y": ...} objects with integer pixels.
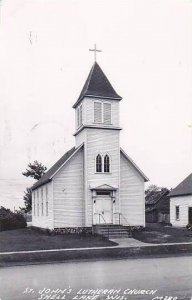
[{"x": 45, "y": 60}]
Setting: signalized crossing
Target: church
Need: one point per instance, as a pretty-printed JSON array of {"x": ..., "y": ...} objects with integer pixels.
[{"x": 95, "y": 182}]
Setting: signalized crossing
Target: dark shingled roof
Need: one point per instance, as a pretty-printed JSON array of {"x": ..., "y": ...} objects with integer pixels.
[
  {"x": 97, "y": 85},
  {"x": 184, "y": 188},
  {"x": 153, "y": 198},
  {"x": 48, "y": 175}
]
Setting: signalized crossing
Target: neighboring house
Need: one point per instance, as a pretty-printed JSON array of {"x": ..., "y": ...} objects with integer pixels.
[
  {"x": 181, "y": 203},
  {"x": 95, "y": 182},
  {"x": 157, "y": 207}
]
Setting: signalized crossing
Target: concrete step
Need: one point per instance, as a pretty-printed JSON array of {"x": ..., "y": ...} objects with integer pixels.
[
  {"x": 115, "y": 233},
  {"x": 112, "y": 231},
  {"x": 116, "y": 236}
]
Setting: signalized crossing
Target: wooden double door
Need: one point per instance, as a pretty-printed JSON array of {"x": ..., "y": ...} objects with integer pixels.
[{"x": 104, "y": 210}]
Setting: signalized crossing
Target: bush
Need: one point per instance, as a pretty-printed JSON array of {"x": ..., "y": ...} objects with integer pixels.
[
  {"x": 189, "y": 226},
  {"x": 11, "y": 220}
]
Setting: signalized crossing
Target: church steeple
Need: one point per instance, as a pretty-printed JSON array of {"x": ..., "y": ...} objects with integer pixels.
[{"x": 97, "y": 86}]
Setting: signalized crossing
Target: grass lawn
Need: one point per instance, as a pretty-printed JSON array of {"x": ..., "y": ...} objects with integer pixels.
[
  {"x": 30, "y": 239},
  {"x": 157, "y": 234}
]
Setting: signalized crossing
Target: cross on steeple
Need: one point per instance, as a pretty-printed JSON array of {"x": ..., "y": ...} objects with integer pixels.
[{"x": 95, "y": 52}]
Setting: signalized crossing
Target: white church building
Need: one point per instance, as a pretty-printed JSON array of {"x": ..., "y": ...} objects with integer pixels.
[{"x": 95, "y": 182}]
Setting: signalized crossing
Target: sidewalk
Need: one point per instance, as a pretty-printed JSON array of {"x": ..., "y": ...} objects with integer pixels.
[
  {"x": 131, "y": 242},
  {"x": 126, "y": 248}
]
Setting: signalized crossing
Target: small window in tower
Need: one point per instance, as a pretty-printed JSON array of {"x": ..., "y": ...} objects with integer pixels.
[
  {"x": 97, "y": 112},
  {"x": 107, "y": 113},
  {"x": 106, "y": 164},
  {"x": 80, "y": 116},
  {"x": 99, "y": 163}
]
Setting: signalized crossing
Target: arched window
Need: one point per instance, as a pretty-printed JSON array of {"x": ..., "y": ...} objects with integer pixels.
[
  {"x": 106, "y": 164},
  {"x": 98, "y": 163}
]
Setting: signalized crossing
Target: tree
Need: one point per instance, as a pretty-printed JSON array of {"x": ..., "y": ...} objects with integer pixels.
[
  {"x": 11, "y": 220},
  {"x": 153, "y": 192},
  {"x": 27, "y": 200},
  {"x": 36, "y": 171},
  {"x": 152, "y": 189}
]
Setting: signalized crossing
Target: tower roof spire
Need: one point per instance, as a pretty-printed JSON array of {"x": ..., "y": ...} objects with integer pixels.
[{"x": 97, "y": 86}]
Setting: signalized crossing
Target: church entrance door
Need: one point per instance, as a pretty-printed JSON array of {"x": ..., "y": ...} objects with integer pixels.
[{"x": 104, "y": 210}]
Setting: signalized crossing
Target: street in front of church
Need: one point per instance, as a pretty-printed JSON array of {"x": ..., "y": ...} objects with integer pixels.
[{"x": 148, "y": 278}]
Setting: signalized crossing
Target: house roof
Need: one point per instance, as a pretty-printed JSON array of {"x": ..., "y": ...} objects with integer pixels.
[
  {"x": 161, "y": 203},
  {"x": 134, "y": 165},
  {"x": 153, "y": 198},
  {"x": 184, "y": 188},
  {"x": 97, "y": 85},
  {"x": 50, "y": 173}
]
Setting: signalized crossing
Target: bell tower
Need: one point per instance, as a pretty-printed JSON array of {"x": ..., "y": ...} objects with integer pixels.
[
  {"x": 98, "y": 103},
  {"x": 97, "y": 127}
]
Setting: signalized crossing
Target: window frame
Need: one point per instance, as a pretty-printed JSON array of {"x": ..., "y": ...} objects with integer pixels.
[
  {"x": 102, "y": 112},
  {"x": 177, "y": 212},
  {"x": 99, "y": 172},
  {"x": 110, "y": 113},
  {"x": 100, "y": 102},
  {"x": 109, "y": 163},
  {"x": 79, "y": 115},
  {"x": 103, "y": 163},
  {"x": 103, "y": 193},
  {"x": 47, "y": 203}
]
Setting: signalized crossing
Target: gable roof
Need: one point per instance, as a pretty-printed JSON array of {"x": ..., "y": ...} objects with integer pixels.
[
  {"x": 162, "y": 204},
  {"x": 134, "y": 165},
  {"x": 184, "y": 188},
  {"x": 97, "y": 85},
  {"x": 47, "y": 177},
  {"x": 156, "y": 196}
]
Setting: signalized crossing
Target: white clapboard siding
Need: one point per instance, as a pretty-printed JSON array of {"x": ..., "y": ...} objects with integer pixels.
[
  {"x": 43, "y": 220},
  {"x": 101, "y": 141},
  {"x": 80, "y": 138},
  {"x": 184, "y": 202},
  {"x": 132, "y": 200},
  {"x": 69, "y": 210}
]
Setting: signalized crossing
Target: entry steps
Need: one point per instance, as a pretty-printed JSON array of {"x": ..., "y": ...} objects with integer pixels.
[{"x": 112, "y": 231}]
